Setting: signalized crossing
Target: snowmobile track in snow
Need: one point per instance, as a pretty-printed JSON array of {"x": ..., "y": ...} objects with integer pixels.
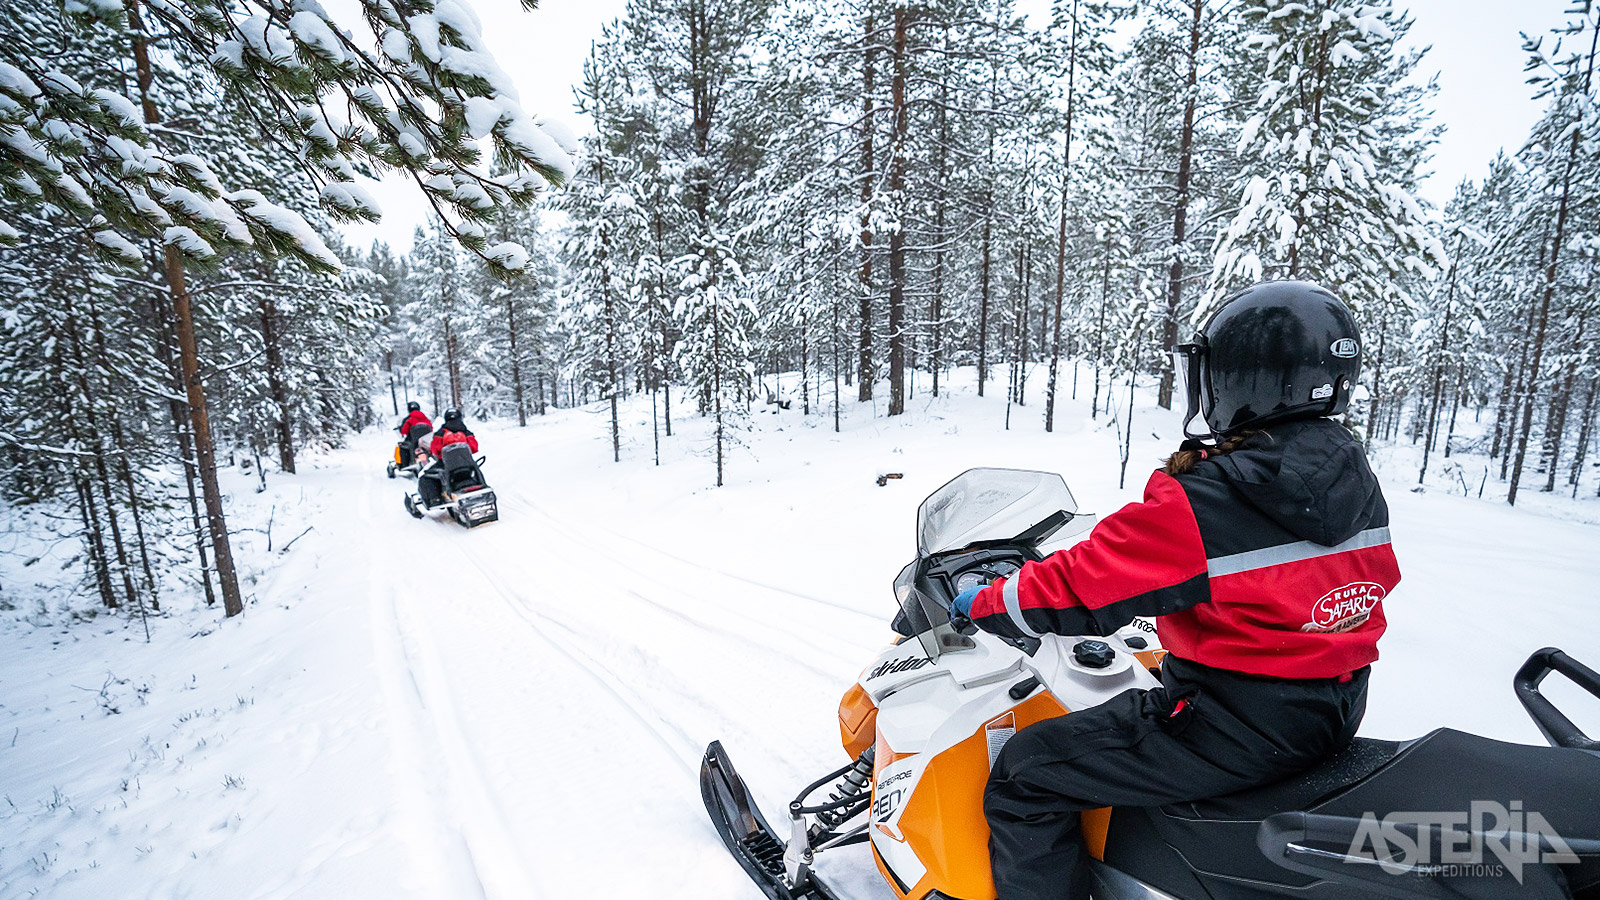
[
  {"x": 779, "y": 639},
  {"x": 679, "y": 746},
  {"x": 535, "y": 508},
  {"x": 476, "y": 839}
]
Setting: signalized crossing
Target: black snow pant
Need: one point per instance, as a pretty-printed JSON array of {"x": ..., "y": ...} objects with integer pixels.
[
  {"x": 430, "y": 485},
  {"x": 1206, "y": 732}
]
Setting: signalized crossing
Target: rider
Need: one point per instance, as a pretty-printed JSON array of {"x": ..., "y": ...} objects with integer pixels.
[
  {"x": 414, "y": 415},
  {"x": 1265, "y": 551},
  {"x": 453, "y": 431},
  {"x": 430, "y": 484}
]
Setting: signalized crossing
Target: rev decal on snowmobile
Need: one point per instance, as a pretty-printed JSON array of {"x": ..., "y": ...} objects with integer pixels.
[
  {"x": 884, "y": 809},
  {"x": 1344, "y": 608},
  {"x": 898, "y": 665}
]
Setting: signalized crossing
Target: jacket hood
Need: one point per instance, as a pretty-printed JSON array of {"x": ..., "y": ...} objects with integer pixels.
[{"x": 1310, "y": 476}]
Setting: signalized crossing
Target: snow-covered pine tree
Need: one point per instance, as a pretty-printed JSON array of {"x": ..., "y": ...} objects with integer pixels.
[
  {"x": 1331, "y": 155},
  {"x": 1564, "y": 166},
  {"x": 607, "y": 233},
  {"x": 693, "y": 55},
  {"x": 1173, "y": 101},
  {"x": 1082, "y": 27},
  {"x": 439, "y": 314},
  {"x": 716, "y": 314}
]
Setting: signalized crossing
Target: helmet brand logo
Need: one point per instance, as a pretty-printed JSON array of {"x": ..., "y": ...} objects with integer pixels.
[
  {"x": 1345, "y": 348},
  {"x": 1322, "y": 393}
]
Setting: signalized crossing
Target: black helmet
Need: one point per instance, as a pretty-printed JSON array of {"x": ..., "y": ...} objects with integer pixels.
[
  {"x": 452, "y": 415},
  {"x": 1275, "y": 351},
  {"x": 413, "y": 406}
]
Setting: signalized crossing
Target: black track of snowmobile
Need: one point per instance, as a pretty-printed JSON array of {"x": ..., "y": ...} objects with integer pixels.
[{"x": 748, "y": 836}]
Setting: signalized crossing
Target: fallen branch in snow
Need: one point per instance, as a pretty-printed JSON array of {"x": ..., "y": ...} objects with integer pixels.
[{"x": 295, "y": 538}]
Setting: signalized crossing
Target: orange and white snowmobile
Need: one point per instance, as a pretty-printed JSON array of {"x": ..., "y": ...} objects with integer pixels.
[{"x": 929, "y": 715}]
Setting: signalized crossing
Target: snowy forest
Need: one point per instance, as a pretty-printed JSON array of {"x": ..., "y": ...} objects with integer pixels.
[{"x": 822, "y": 205}]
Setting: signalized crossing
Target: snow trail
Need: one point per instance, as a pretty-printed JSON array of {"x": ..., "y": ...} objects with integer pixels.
[{"x": 413, "y": 710}]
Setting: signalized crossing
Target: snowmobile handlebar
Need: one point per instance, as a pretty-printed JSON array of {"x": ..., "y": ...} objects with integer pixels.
[{"x": 1559, "y": 730}]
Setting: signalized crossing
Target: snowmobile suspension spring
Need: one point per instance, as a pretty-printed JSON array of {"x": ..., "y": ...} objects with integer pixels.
[{"x": 849, "y": 789}]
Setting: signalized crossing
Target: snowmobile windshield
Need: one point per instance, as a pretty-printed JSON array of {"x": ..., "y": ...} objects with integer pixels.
[
  {"x": 925, "y": 618},
  {"x": 989, "y": 505}
]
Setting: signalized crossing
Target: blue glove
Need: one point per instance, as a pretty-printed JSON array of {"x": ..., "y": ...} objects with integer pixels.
[{"x": 962, "y": 604}]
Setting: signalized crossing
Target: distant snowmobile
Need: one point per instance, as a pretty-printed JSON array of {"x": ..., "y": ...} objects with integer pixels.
[
  {"x": 454, "y": 482},
  {"x": 928, "y": 716},
  {"x": 411, "y": 454}
]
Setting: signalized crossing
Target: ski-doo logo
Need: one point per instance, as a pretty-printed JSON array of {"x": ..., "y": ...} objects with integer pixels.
[
  {"x": 1402, "y": 843},
  {"x": 1345, "y": 348},
  {"x": 898, "y": 665},
  {"x": 1322, "y": 393},
  {"x": 1344, "y": 608}
]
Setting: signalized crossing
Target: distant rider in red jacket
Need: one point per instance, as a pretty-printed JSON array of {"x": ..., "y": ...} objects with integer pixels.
[
  {"x": 1264, "y": 552},
  {"x": 414, "y": 416},
  {"x": 453, "y": 431}
]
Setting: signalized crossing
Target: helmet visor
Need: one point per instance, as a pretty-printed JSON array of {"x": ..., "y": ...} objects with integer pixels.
[{"x": 1187, "y": 360}]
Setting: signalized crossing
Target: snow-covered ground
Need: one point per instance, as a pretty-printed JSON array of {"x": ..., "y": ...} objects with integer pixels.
[{"x": 409, "y": 709}]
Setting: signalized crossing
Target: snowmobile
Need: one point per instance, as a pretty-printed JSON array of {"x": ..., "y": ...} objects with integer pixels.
[
  {"x": 1448, "y": 815},
  {"x": 462, "y": 490},
  {"x": 411, "y": 453}
]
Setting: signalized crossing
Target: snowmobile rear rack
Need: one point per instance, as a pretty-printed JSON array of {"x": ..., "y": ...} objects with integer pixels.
[
  {"x": 1559, "y": 730},
  {"x": 748, "y": 836}
]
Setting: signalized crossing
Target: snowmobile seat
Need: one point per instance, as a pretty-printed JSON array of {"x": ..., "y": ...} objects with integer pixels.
[
  {"x": 1363, "y": 757},
  {"x": 1382, "y": 776},
  {"x": 461, "y": 470},
  {"x": 418, "y": 433},
  {"x": 1214, "y": 842}
]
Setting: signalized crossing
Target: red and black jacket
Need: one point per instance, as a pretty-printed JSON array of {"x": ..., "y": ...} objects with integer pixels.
[
  {"x": 415, "y": 417},
  {"x": 1272, "y": 560},
  {"x": 452, "y": 433}
]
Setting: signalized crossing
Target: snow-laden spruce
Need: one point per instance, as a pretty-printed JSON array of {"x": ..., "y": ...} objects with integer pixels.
[{"x": 1332, "y": 150}]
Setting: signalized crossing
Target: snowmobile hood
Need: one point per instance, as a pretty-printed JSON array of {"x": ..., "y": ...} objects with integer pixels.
[{"x": 1309, "y": 476}]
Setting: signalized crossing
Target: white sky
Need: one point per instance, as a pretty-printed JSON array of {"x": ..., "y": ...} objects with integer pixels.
[{"x": 1483, "y": 98}]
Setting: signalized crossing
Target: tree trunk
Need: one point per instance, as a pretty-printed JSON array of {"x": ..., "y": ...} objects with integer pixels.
[
  {"x": 167, "y": 340},
  {"x": 516, "y": 362},
  {"x": 864, "y": 358},
  {"x": 189, "y": 361},
  {"x": 276, "y": 389},
  {"x": 1100, "y": 334},
  {"x": 1180, "y": 211},
  {"x": 1585, "y": 430},
  {"x": 1061, "y": 229},
  {"x": 205, "y": 451},
  {"x": 1439, "y": 362},
  {"x": 452, "y": 363},
  {"x": 612, "y": 388},
  {"x": 897, "y": 237},
  {"x": 94, "y": 538},
  {"x": 936, "y": 314}
]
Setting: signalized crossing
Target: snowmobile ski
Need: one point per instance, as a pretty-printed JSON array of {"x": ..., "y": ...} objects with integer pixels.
[{"x": 748, "y": 836}]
